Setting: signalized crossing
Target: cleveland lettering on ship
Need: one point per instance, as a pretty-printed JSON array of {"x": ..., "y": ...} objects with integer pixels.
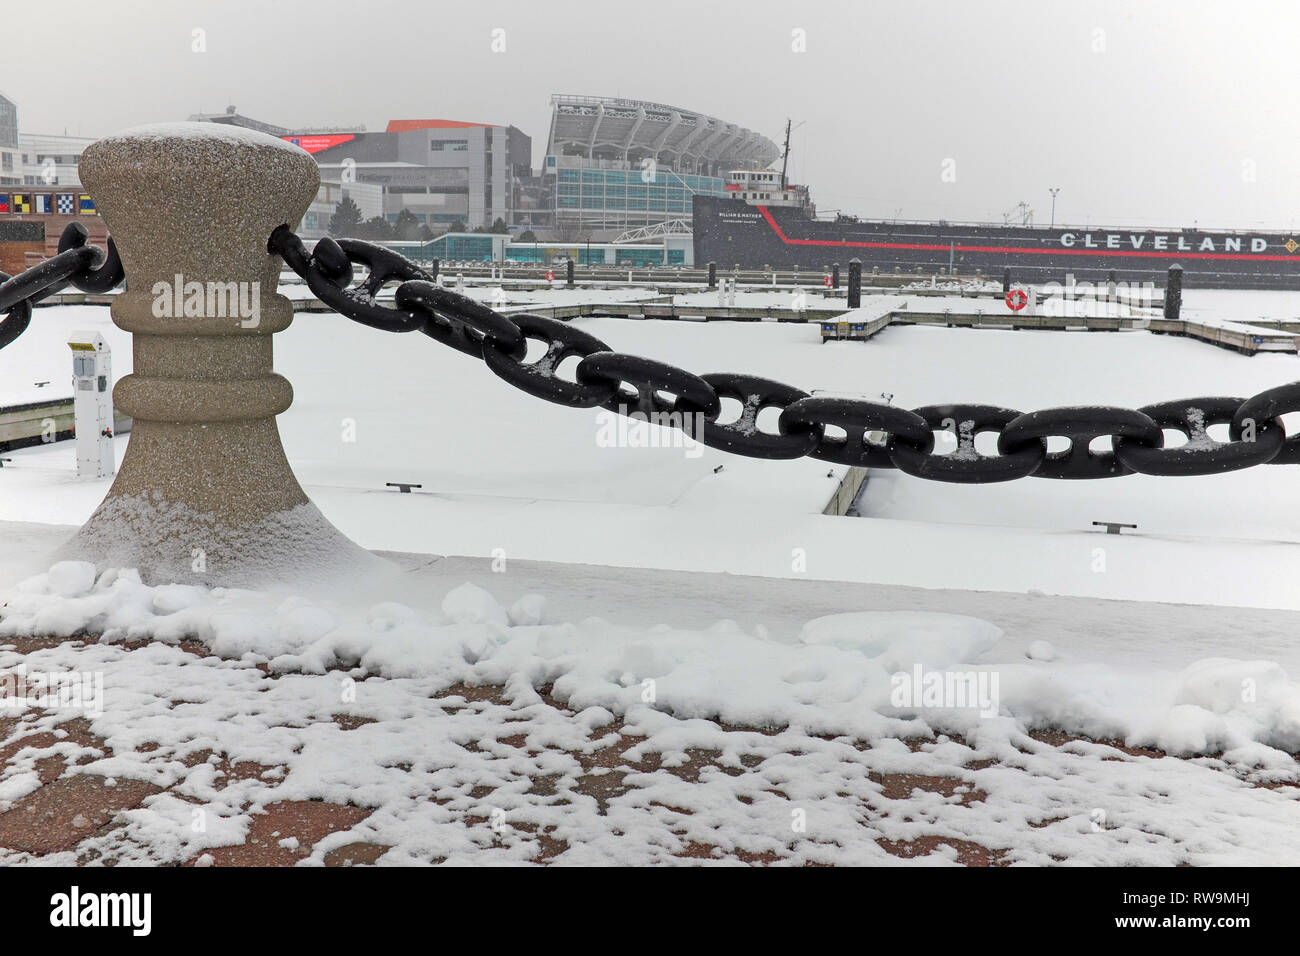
[
  {"x": 1159, "y": 242},
  {"x": 763, "y": 221}
]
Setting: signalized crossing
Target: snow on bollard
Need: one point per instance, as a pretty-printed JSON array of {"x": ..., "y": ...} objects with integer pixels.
[{"x": 205, "y": 494}]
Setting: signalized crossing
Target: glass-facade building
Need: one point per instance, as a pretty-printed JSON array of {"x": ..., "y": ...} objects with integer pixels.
[
  {"x": 600, "y": 198},
  {"x": 11, "y": 172}
]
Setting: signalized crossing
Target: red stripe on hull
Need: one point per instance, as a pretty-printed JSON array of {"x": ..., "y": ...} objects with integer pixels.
[{"x": 1022, "y": 250}]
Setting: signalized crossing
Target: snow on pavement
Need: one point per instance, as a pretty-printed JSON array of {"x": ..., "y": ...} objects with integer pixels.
[{"x": 634, "y": 743}]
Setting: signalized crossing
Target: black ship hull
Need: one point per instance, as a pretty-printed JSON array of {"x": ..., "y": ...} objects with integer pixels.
[{"x": 730, "y": 232}]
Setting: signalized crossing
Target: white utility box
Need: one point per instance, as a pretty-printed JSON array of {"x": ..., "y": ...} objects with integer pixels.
[{"x": 92, "y": 404}]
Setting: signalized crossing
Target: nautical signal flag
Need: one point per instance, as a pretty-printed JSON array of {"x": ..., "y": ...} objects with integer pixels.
[
  {"x": 45, "y": 204},
  {"x": 64, "y": 204},
  {"x": 22, "y": 202},
  {"x": 4, "y": 202},
  {"x": 87, "y": 204}
]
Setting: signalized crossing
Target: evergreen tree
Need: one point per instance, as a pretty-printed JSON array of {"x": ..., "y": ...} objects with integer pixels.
[
  {"x": 376, "y": 229},
  {"x": 346, "y": 219},
  {"x": 407, "y": 226},
  {"x": 528, "y": 236},
  {"x": 457, "y": 226},
  {"x": 499, "y": 227}
]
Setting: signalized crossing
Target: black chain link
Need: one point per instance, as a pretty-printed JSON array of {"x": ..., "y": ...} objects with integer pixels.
[
  {"x": 631, "y": 385},
  {"x": 88, "y": 268},
  {"x": 966, "y": 465}
]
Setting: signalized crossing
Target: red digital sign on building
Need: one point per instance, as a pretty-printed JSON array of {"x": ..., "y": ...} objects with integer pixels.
[{"x": 315, "y": 144}]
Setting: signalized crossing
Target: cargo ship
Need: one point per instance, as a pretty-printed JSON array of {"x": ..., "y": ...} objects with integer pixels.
[{"x": 764, "y": 221}]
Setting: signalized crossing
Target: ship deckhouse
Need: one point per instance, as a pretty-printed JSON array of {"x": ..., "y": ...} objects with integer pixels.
[{"x": 763, "y": 187}]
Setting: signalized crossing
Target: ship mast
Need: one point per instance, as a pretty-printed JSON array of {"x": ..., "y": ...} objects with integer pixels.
[{"x": 785, "y": 153}]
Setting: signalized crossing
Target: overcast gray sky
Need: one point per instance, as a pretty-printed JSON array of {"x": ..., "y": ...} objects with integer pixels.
[{"x": 1142, "y": 112}]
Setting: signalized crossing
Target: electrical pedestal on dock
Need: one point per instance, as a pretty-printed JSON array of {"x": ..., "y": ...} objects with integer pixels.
[{"x": 92, "y": 404}]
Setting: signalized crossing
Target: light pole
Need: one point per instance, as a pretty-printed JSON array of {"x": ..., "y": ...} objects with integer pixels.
[{"x": 1053, "y": 190}]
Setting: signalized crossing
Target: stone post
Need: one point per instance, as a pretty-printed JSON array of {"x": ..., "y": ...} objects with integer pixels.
[{"x": 205, "y": 493}]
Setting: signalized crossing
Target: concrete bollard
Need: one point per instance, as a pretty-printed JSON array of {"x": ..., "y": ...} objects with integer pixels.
[
  {"x": 205, "y": 494},
  {"x": 855, "y": 283},
  {"x": 1174, "y": 292}
]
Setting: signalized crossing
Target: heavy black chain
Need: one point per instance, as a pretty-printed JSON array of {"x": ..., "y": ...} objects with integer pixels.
[
  {"x": 88, "y": 268},
  {"x": 640, "y": 387}
]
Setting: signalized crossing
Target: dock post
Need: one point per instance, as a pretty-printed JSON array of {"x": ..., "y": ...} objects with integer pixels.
[
  {"x": 855, "y": 283},
  {"x": 568, "y": 273},
  {"x": 1006, "y": 280},
  {"x": 205, "y": 494},
  {"x": 713, "y": 274},
  {"x": 835, "y": 276},
  {"x": 1174, "y": 292}
]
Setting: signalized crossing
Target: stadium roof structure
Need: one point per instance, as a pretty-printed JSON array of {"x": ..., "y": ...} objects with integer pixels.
[{"x": 610, "y": 128}]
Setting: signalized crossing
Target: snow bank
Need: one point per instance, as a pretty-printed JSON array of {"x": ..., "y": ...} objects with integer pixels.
[{"x": 866, "y": 674}]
